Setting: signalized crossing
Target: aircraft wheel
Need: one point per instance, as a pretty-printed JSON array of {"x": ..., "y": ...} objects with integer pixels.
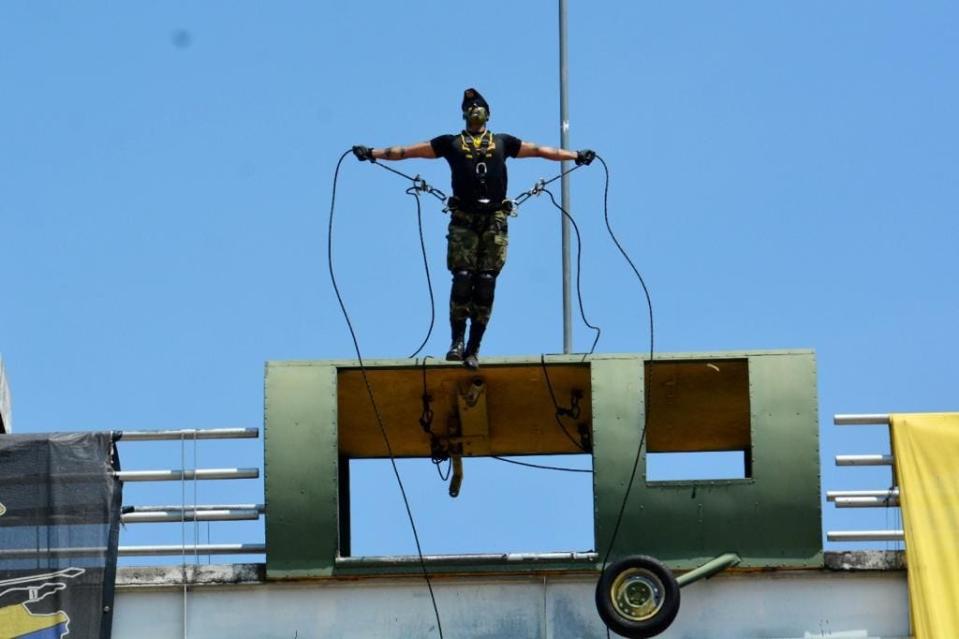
[{"x": 637, "y": 597}]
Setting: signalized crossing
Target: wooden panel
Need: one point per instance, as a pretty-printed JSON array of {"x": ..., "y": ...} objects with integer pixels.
[
  {"x": 520, "y": 410},
  {"x": 696, "y": 406}
]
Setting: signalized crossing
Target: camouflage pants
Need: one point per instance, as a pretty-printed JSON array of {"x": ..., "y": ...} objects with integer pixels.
[{"x": 476, "y": 242}]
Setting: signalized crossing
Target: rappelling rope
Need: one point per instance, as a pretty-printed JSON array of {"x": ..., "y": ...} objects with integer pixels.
[
  {"x": 642, "y": 436},
  {"x": 369, "y": 390},
  {"x": 572, "y": 411},
  {"x": 543, "y": 466},
  {"x": 579, "y": 271},
  {"x": 539, "y": 187},
  {"x": 438, "y": 452},
  {"x": 415, "y": 192},
  {"x": 420, "y": 186}
]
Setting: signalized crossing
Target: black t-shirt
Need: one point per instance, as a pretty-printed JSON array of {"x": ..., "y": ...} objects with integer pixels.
[{"x": 469, "y": 156}]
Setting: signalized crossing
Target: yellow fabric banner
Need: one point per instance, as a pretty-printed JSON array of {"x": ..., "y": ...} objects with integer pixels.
[{"x": 926, "y": 450}]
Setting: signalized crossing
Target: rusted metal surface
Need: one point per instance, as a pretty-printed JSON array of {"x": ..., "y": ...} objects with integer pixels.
[{"x": 875, "y": 560}]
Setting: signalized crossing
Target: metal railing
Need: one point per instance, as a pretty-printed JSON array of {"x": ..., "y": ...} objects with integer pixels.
[
  {"x": 188, "y": 513},
  {"x": 878, "y": 498}
]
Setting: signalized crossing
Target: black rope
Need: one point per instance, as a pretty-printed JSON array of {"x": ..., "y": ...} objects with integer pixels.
[
  {"x": 543, "y": 467},
  {"x": 579, "y": 270},
  {"x": 420, "y": 185},
  {"x": 541, "y": 185},
  {"x": 418, "y": 182},
  {"x": 559, "y": 409},
  {"x": 449, "y": 469},
  {"x": 426, "y": 266},
  {"x": 649, "y": 304},
  {"x": 438, "y": 452},
  {"x": 369, "y": 390}
]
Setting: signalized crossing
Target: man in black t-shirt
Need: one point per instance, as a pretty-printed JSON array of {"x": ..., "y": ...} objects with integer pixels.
[{"x": 479, "y": 209}]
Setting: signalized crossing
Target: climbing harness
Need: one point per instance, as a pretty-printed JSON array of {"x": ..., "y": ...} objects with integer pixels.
[{"x": 478, "y": 151}]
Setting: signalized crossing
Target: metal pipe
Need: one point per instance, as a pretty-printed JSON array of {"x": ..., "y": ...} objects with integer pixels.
[
  {"x": 137, "y": 551},
  {"x": 564, "y": 181},
  {"x": 833, "y": 495},
  {"x": 878, "y": 419},
  {"x": 709, "y": 569},
  {"x": 199, "y": 549},
  {"x": 178, "y": 475},
  {"x": 864, "y": 460},
  {"x": 413, "y": 560},
  {"x": 867, "y": 502},
  {"x": 186, "y": 514},
  {"x": 865, "y": 535},
  {"x": 187, "y": 433},
  {"x": 859, "y": 420},
  {"x": 79, "y": 551},
  {"x": 260, "y": 508}
]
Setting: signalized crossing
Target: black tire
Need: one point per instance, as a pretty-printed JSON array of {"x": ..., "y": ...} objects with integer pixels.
[{"x": 654, "y": 602}]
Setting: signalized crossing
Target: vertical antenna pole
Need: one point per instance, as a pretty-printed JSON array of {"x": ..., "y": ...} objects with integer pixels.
[{"x": 564, "y": 143}]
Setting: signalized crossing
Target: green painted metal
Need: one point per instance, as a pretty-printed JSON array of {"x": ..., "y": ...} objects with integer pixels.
[
  {"x": 771, "y": 519},
  {"x": 301, "y": 467},
  {"x": 708, "y": 569}
]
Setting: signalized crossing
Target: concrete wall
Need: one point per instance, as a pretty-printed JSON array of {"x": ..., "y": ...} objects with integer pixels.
[{"x": 801, "y": 605}]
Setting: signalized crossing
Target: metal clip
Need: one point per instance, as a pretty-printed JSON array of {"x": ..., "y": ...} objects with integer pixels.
[
  {"x": 481, "y": 170},
  {"x": 420, "y": 184}
]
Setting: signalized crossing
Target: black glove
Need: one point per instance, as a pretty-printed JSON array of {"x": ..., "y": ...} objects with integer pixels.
[
  {"x": 584, "y": 157},
  {"x": 363, "y": 153}
]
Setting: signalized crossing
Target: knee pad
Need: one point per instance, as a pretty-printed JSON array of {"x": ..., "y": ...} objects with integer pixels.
[
  {"x": 462, "y": 289},
  {"x": 484, "y": 287}
]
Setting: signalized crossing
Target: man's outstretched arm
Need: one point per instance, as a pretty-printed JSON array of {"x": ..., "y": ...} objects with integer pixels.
[
  {"x": 419, "y": 150},
  {"x": 533, "y": 150}
]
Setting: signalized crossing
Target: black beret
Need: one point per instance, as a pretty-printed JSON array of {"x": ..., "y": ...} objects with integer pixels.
[{"x": 472, "y": 96}]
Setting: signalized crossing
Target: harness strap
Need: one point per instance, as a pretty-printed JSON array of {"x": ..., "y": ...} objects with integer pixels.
[{"x": 483, "y": 146}]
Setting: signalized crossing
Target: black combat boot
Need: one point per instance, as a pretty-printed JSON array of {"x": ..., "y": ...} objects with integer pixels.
[
  {"x": 471, "y": 359},
  {"x": 455, "y": 353}
]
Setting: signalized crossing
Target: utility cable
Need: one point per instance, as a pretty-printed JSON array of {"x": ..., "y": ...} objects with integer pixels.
[{"x": 369, "y": 390}]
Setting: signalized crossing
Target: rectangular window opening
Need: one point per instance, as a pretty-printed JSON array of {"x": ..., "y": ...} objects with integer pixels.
[
  {"x": 698, "y": 420},
  {"x": 696, "y": 466},
  {"x": 501, "y": 508}
]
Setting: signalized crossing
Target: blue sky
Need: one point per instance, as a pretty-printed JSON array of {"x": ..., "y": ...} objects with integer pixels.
[{"x": 784, "y": 175}]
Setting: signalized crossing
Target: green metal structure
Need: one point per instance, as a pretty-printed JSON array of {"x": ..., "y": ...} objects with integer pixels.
[{"x": 762, "y": 404}]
